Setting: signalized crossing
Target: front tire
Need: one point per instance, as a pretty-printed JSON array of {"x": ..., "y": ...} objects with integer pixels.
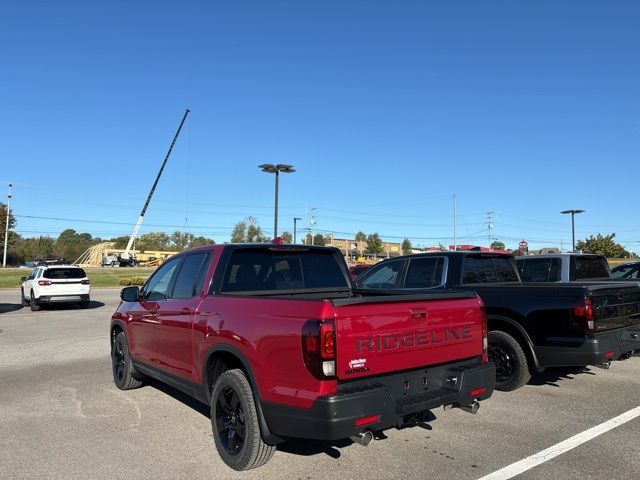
[
  {"x": 124, "y": 375},
  {"x": 512, "y": 367},
  {"x": 234, "y": 421}
]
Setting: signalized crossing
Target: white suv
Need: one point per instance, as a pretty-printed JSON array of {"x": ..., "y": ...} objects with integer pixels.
[{"x": 55, "y": 284}]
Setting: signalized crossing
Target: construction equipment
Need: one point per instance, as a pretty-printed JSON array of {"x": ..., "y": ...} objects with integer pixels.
[{"x": 127, "y": 258}]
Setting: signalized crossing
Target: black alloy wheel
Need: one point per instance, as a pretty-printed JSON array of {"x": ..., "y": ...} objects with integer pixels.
[
  {"x": 230, "y": 421},
  {"x": 118, "y": 360},
  {"x": 503, "y": 358}
]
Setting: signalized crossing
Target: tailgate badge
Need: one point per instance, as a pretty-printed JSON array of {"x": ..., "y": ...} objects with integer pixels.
[
  {"x": 357, "y": 365},
  {"x": 418, "y": 314}
]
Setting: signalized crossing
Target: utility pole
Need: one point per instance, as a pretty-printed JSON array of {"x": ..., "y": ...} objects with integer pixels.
[
  {"x": 295, "y": 227},
  {"x": 490, "y": 225},
  {"x": 312, "y": 222},
  {"x": 454, "y": 223},
  {"x": 6, "y": 228}
]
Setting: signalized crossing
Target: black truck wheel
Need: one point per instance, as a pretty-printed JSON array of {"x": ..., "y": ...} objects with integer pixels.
[
  {"x": 234, "y": 421},
  {"x": 124, "y": 375},
  {"x": 512, "y": 367}
]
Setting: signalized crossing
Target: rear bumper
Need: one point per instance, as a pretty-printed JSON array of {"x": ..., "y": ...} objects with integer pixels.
[
  {"x": 605, "y": 346},
  {"x": 334, "y": 417},
  {"x": 48, "y": 299}
]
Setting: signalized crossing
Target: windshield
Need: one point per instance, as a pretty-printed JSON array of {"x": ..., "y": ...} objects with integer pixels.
[{"x": 626, "y": 271}]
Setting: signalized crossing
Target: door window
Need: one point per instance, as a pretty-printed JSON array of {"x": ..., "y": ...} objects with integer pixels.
[
  {"x": 381, "y": 276},
  {"x": 189, "y": 279},
  {"x": 424, "y": 272},
  {"x": 157, "y": 288}
]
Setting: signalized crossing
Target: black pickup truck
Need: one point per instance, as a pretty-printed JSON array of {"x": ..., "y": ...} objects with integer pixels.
[{"x": 531, "y": 326}]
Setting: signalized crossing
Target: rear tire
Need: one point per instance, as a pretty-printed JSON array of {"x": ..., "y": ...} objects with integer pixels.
[
  {"x": 33, "y": 303},
  {"x": 234, "y": 421},
  {"x": 512, "y": 367},
  {"x": 124, "y": 375}
]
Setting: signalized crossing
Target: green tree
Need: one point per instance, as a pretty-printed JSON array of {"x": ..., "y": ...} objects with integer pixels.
[
  {"x": 182, "y": 240},
  {"x": 3, "y": 223},
  {"x": 202, "y": 241},
  {"x": 361, "y": 236},
  {"x": 498, "y": 245},
  {"x": 31, "y": 248},
  {"x": 406, "y": 246},
  {"x": 318, "y": 239},
  {"x": 120, "y": 242},
  {"x": 602, "y": 245},
  {"x": 71, "y": 244},
  {"x": 154, "y": 241},
  {"x": 248, "y": 231},
  {"x": 374, "y": 244},
  {"x": 287, "y": 237}
]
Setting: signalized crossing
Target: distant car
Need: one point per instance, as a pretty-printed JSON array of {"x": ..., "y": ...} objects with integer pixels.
[
  {"x": 627, "y": 270},
  {"x": 358, "y": 270},
  {"x": 55, "y": 284}
]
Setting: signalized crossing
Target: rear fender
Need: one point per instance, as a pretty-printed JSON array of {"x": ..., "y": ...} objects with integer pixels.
[{"x": 495, "y": 322}]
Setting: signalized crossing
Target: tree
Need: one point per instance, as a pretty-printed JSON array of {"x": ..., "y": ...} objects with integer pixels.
[
  {"x": 3, "y": 222},
  {"x": 287, "y": 237},
  {"x": 182, "y": 240},
  {"x": 71, "y": 244},
  {"x": 32, "y": 248},
  {"x": 202, "y": 241},
  {"x": 318, "y": 239},
  {"x": 374, "y": 244},
  {"x": 120, "y": 242},
  {"x": 406, "y": 246},
  {"x": 154, "y": 241},
  {"x": 602, "y": 245},
  {"x": 497, "y": 245},
  {"x": 248, "y": 231},
  {"x": 361, "y": 236}
]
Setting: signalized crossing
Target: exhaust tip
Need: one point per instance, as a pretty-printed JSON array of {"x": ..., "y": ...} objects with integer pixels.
[
  {"x": 605, "y": 365},
  {"x": 363, "y": 438},
  {"x": 473, "y": 408}
]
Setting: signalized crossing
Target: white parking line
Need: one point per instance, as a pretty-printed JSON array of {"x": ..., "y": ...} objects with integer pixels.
[{"x": 536, "y": 459}]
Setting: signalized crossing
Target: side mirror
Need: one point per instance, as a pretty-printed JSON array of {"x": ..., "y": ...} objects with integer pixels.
[
  {"x": 23, "y": 279},
  {"x": 130, "y": 294}
]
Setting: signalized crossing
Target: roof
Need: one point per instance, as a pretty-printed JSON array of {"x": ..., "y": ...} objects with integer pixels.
[{"x": 556, "y": 255}]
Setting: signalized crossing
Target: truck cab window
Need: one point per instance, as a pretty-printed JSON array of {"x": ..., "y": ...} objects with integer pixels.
[
  {"x": 383, "y": 276},
  {"x": 189, "y": 279}
]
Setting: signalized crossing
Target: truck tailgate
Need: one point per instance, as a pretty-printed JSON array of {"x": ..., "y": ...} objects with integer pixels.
[
  {"x": 399, "y": 332},
  {"x": 615, "y": 307}
]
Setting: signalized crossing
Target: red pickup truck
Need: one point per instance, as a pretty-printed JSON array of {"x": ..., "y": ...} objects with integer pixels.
[{"x": 274, "y": 339}]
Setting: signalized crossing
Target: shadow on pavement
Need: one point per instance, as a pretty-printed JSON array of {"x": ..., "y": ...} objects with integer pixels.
[
  {"x": 71, "y": 306},
  {"x": 189, "y": 401},
  {"x": 552, "y": 376},
  {"x": 9, "y": 307}
]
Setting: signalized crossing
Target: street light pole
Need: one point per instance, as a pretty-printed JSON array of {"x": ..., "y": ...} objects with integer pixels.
[
  {"x": 6, "y": 228},
  {"x": 573, "y": 226},
  {"x": 271, "y": 168},
  {"x": 295, "y": 227}
]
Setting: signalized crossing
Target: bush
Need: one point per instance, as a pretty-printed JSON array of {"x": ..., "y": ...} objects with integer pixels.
[{"x": 125, "y": 282}]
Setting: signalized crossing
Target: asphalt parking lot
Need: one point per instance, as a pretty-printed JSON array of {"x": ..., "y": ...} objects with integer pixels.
[{"x": 62, "y": 417}]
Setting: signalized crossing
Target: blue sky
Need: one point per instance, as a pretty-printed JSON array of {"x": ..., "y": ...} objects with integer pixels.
[{"x": 385, "y": 109}]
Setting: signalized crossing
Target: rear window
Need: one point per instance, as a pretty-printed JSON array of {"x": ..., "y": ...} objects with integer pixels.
[
  {"x": 255, "y": 270},
  {"x": 591, "y": 267},
  {"x": 64, "y": 273},
  {"x": 540, "y": 269},
  {"x": 486, "y": 269}
]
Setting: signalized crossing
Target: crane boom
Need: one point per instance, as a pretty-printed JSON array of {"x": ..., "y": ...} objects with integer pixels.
[{"x": 126, "y": 255}]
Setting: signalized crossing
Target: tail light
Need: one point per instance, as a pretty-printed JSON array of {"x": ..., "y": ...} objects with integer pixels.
[
  {"x": 319, "y": 348},
  {"x": 44, "y": 283},
  {"x": 485, "y": 335},
  {"x": 85, "y": 282},
  {"x": 584, "y": 316}
]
